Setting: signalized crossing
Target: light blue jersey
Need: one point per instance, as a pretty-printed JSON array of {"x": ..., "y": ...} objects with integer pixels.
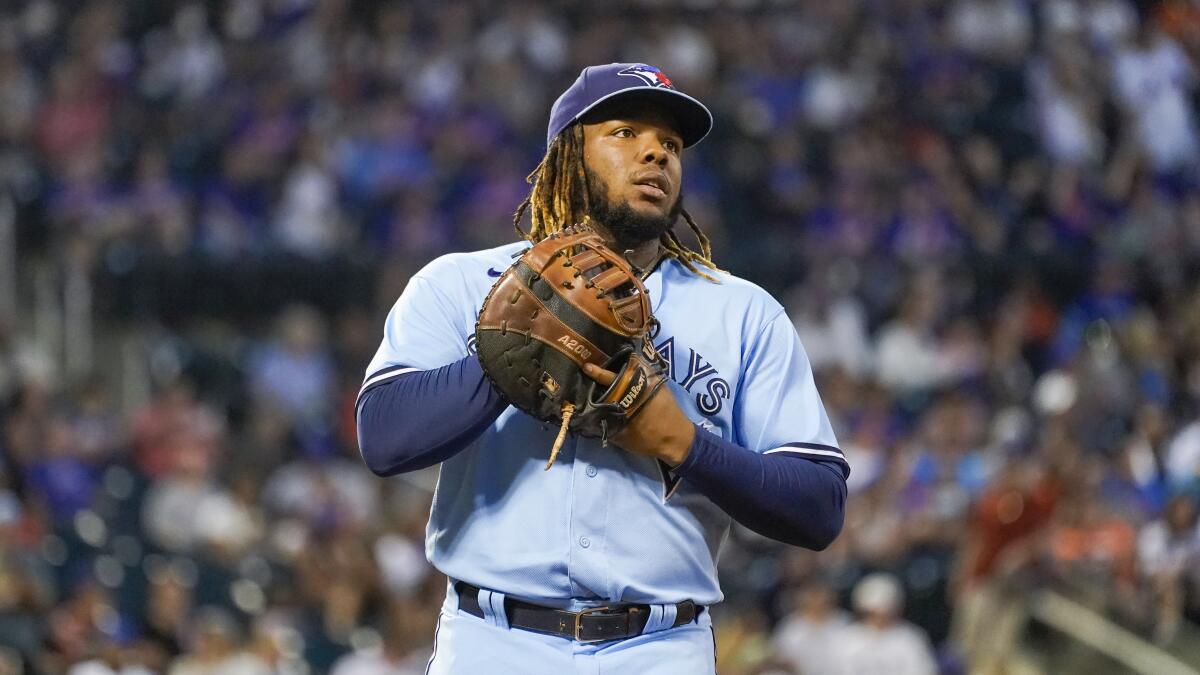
[{"x": 603, "y": 524}]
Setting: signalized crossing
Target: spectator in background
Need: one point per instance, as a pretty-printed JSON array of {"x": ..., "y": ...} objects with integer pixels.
[
  {"x": 402, "y": 650},
  {"x": 399, "y": 553},
  {"x": 80, "y": 625},
  {"x": 157, "y": 207},
  {"x": 323, "y": 490},
  {"x": 923, "y": 227},
  {"x": 165, "y": 619},
  {"x": 97, "y": 425},
  {"x": 117, "y": 655},
  {"x": 993, "y": 29},
  {"x": 1102, "y": 23},
  {"x": 807, "y": 638},
  {"x": 25, "y": 592},
  {"x": 231, "y": 520},
  {"x": 1169, "y": 556},
  {"x": 176, "y": 429},
  {"x": 112, "y": 662},
  {"x": 832, "y": 323},
  {"x": 293, "y": 372},
  {"x": 1153, "y": 81},
  {"x": 1110, "y": 300},
  {"x": 308, "y": 222},
  {"x": 907, "y": 349},
  {"x": 1068, "y": 108},
  {"x": 838, "y": 90},
  {"x": 1089, "y": 545},
  {"x": 912, "y": 357},
  {"x": 1009, "y": 523},
  {"x": 1183, "y": 456},
  {"x": 880, "y": 642},
  {"x": 73, "y": 119},
  {"x": 189, "y": 62},
  {"x": 215, "y": 647},
  {"x": 174, "y": 510},
  {"x": 66, "y": 481}
]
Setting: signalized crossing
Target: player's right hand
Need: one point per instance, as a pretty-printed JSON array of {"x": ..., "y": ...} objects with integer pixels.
[{"x": 659, "y": 430}]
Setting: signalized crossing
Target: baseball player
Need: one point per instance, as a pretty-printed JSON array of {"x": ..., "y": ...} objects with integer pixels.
[{"x": 605, "y": 562}]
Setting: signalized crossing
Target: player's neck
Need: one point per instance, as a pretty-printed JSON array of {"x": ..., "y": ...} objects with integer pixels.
[{"x": 644, "y": 255}]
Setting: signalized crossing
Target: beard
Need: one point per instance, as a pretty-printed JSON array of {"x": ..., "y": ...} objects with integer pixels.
[{"x": 627, "y": 227}]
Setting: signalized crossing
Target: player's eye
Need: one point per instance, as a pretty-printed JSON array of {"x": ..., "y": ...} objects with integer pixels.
[
  {"x": 623, "y": 132},
  {"x": 671, "y": 146}
]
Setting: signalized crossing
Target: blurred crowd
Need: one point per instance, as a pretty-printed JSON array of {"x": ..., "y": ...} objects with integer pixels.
[{"x": 982, "y": 215}]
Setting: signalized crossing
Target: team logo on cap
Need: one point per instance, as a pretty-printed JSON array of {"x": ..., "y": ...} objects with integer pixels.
[{"x": 648, "y": 74}]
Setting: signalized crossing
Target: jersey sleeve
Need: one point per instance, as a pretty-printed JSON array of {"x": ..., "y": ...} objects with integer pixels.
[
  {"x": 424, "y": 330},
  {"x": 778, "y": 408}
]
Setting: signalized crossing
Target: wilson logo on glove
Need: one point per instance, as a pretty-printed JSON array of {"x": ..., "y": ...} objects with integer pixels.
[{"x": 628, "y": 399}]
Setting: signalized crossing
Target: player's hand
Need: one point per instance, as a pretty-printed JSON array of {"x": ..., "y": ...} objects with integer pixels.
[{"x": 660, "y": 429}]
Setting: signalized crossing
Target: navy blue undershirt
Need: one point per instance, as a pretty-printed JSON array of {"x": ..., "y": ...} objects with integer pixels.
[
  {"x": 421, "y": 418},
  {"x": 785, "y": 496}
]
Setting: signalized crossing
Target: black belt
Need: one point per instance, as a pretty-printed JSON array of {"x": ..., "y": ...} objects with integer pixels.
[{"x": 595, "y": 624}]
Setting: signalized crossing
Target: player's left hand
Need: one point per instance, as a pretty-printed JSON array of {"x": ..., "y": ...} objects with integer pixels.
[{"x": 660, "y": 429}]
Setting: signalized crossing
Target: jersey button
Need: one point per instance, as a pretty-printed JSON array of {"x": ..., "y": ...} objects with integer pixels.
[
  {"x": 585, "y": 542},
  {"x": 591, "y": 471}
]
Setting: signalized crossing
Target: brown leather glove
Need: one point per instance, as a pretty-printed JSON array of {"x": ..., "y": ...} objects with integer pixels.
[{"x": 569, "y": 301}]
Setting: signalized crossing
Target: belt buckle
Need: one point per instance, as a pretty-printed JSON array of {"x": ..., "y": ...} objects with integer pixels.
[{"x": 579, "y": 622}]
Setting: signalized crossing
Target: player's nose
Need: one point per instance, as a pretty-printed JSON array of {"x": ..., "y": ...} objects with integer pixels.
[{"x": 653, "y": 152}]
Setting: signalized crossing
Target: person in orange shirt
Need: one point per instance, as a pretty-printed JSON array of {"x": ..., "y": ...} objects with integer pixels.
[{"x": 1088, "y": 542}]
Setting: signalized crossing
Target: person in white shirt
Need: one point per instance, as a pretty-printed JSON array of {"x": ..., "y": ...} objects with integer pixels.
[
  {"x": 882, "y": 642},
  {"x": 1168, "y": 551},
  {"x": 807, "y": 638},
  {"x": 216, "y": 648},
  {"x": 401, "y": 651},
  {"x": 1153, "y": 80}
]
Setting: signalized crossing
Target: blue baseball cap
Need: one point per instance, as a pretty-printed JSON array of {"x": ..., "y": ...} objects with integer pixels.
[{"x": 600, "y": 84}]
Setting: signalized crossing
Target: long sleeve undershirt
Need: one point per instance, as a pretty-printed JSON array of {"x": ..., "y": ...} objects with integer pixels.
[
  {"x": 784, "y": 496},
  {"x": 421, "y": 418}
]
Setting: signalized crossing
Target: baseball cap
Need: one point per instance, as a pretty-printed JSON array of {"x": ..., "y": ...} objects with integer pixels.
[
  {"x": 600, "y": 84},
  {"x": 878, "y": 592}
]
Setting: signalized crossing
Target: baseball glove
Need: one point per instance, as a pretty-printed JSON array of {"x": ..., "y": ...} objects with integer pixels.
[{"x": 568, "y": 301}]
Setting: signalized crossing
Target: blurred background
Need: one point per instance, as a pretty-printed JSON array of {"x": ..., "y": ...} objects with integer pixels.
[{"x": 982, "y": 215}]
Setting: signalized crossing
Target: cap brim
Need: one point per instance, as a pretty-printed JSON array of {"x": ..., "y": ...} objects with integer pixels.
[{"x": 695, "y": 121}]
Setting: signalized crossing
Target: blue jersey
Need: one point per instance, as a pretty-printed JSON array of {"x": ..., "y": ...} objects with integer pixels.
[{"x": 604, "y": 524}]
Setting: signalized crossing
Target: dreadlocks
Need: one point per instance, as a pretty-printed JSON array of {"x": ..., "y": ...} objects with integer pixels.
[{"x": 559, "y": 197}]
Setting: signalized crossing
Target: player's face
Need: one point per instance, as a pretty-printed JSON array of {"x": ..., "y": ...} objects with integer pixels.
[{"x": 635, "y": 152}]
